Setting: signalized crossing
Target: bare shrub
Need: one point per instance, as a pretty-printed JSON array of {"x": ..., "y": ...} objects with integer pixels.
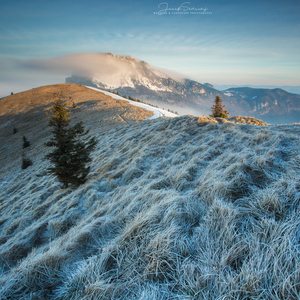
[{"x": 26, "y": 162}]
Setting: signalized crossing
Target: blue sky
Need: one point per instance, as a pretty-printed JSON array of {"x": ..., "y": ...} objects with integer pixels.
[{"x": 235, "y": 43}]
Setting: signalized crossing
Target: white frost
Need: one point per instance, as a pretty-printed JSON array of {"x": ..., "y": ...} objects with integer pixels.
[{"x": 172, "y": 209}]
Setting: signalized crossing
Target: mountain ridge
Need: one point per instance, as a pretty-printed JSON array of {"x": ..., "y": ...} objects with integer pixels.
[
  {"x": 138, "y": 79},
  {"x": 271, "y": 104}
]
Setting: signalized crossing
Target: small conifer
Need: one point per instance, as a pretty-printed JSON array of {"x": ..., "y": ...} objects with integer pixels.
[
  {"x": 70, "y": 154},
  {"x": 218, "y": 110}
]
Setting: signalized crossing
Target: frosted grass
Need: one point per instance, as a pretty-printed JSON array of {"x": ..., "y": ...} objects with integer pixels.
[{"x": 173, "y": 209}]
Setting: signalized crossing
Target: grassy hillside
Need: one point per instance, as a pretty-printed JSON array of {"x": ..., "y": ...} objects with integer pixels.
[
  {"x": 174, "y": 209},
  {"x": 26, "y": 112}
]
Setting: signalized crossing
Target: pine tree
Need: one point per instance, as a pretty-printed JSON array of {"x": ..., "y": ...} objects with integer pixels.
[
  {"x": 70, "y": 154},
  {"x": 218, "y": 110}
]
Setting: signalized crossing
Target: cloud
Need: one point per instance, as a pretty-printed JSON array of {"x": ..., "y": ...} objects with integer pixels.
[
  {"x": 89, "y": 65},
  {"x": 20, "y": 74},
  {"x": 83, "y": 64}
]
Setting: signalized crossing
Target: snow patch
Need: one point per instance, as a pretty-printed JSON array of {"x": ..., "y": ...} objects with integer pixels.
[
  {"x": 157, "y": 112},
  {"x": 126, "y": 80}
]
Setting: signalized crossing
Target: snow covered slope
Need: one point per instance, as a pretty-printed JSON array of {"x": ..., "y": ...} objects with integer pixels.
[
  {"x": 109, "y": 71},
  {"x": 157, "y": 112}
]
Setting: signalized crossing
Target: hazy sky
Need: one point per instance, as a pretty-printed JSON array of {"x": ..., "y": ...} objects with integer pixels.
[{"x": 233, "y": 42}]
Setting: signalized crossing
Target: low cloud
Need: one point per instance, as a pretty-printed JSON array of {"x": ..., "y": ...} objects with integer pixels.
[
  {"x": 88, "y": 65},
  {"x": 18, "y": 74},
  {"x": 83, "y": 64}
]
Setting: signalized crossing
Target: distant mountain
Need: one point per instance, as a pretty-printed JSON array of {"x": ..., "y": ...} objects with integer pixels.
[
  {"x": 288, "y": 88},
  {"x": 135, "y": 78},
  {"x": 273, "y": 106}
]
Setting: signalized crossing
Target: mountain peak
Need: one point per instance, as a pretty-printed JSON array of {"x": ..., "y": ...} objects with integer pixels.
[
  {"x": 117, "y": 72},
  {"x": 127, "y": 57}
]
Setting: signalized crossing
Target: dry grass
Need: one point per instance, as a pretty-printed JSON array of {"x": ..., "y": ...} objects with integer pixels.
[
  {"x": 26, "y": 112},
  {"x": 235, "y": 120},
  {"x": 173, "y": 209},
  {"x": 247, "y": 120}
]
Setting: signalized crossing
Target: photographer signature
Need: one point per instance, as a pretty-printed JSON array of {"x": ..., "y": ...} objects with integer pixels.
[{"x": 183, "y": 7}]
